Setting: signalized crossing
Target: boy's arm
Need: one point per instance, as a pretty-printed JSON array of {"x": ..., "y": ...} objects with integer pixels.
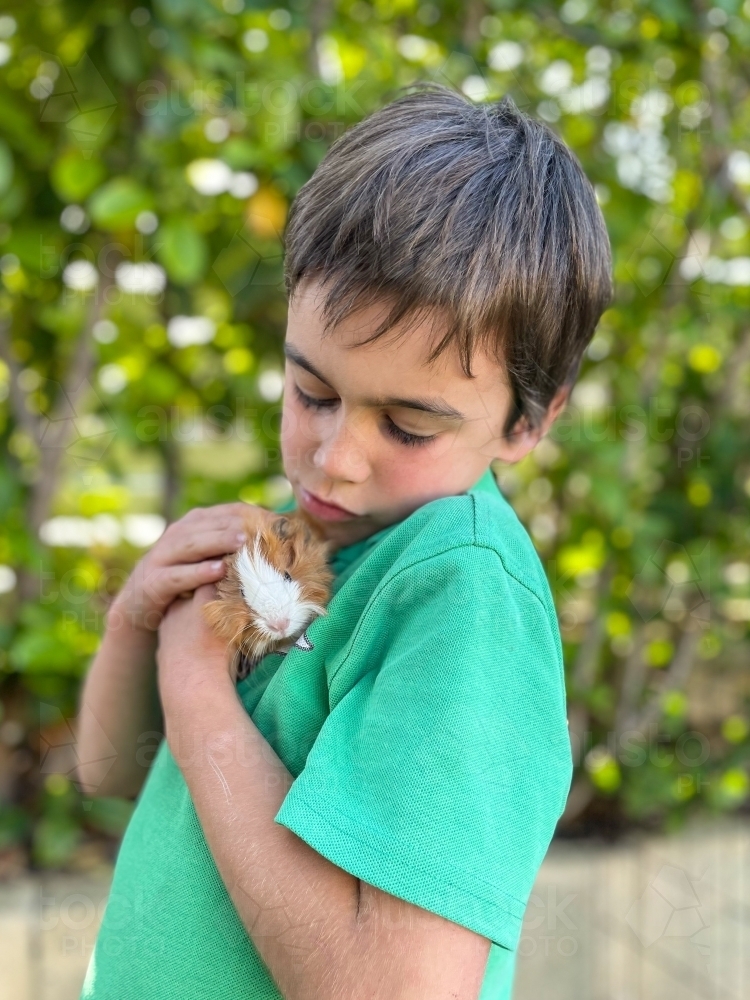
[
  {"x": 119, "y": 718},
  {"x": 119, "y": 710},
  {"x": 322, "y": 933}
]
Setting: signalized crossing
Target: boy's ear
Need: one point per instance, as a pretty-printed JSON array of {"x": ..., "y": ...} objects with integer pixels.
[{"x": 523, "y": 438}]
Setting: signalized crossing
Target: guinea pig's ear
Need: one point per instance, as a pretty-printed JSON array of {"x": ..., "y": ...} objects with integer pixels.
[{"x": 280, "y": 528}]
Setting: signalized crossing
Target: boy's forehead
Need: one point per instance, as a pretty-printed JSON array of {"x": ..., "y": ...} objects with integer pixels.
[
  {"x": 393, "y": 370},
  {"x": 400, "y": 353}
]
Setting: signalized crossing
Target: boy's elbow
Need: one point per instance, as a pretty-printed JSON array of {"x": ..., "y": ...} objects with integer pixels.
[
  {"x": 94, "y": 784},
  {"x": 93, "y": 780},
  {"x": 98, "y": 775}
]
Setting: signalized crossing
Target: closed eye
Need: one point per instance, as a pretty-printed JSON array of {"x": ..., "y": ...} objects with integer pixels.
[
  {"x": 393, "y": 430},
  {"x": 311, "y": 403},
  {"x": 403, "y": 436}
]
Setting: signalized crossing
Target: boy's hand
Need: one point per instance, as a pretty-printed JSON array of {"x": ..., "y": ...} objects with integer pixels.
[
  {"x": 188, "y": 555},
  {"x": 189, "y": 651}
]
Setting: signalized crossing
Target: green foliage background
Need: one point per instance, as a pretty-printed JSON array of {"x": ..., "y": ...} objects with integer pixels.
[{"x": 637, "y": 500}]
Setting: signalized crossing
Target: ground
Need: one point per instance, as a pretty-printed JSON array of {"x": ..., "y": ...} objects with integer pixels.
[{"x": 665, "y": 917}]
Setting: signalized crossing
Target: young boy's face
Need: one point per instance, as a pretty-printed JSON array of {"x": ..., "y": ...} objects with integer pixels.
[{"x": 359, "y": 427}]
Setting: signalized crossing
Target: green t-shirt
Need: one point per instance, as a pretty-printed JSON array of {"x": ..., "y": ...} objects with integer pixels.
[{"x": 423, "y": 720}]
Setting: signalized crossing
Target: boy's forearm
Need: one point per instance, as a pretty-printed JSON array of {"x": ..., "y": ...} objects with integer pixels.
[
  {"x": 119, "y": 719},
  {"x": 299, "y": 909}
]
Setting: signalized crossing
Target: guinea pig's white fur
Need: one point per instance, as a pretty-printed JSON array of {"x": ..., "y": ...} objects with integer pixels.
[
  {"x": 274, "y": 598},
  {"x": 272, "y": 589}
]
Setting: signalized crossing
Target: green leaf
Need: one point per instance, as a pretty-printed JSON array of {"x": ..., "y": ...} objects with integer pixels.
[
  {"x": 182, "y": 251},
  {"x": 13, "y": 826},
  {"x": 6, "y": 167},
  {"x": 124, "y": 53},
  {"x": 240, "y": 153},
  {"x": 74, "y": 176},
  {"x": 38, "y": 246},
  {"x": 43, "y": 652},
  {"x": 13, "y": 202},
  {"x": 118, "y": 204},
  {"x": 55, "y": 839},
  {"x": 159, "y": 384}
]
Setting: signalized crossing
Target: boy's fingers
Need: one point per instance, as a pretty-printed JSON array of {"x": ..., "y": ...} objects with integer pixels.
[
  {"x": 174, "y": 580},
  {"x": 203, "y": 520},
  {"x": 199, "y": 544},
  {"x": 209, "y": 531},
  {"x": 237, "y": 509},
  {"x": 224, "y": 513},
  {"x": 249, "y": 515}
]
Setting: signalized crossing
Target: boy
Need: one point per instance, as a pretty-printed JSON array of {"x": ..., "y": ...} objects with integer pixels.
[{"x": 364, "y": 816}]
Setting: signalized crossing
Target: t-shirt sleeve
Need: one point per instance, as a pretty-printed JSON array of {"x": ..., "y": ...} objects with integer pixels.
[{"x": 441, "y": 771}]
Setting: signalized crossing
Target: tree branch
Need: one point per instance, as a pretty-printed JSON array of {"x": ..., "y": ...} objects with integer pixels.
[
  {"x": 59, "y": 429},
  {"x": 675, "y": 678},
  {"x": 320, "y": 15},
  {"x": 23, "y": 417}
]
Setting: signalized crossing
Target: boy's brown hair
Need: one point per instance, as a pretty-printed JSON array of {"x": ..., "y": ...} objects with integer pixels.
[{"x": 477, "y": 213}]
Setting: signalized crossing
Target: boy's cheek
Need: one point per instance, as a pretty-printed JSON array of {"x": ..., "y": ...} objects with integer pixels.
[
  {"x": 406, "y": 477},
  {"x": 300, "y": 428},
  {"x": 297, "y": 437}
]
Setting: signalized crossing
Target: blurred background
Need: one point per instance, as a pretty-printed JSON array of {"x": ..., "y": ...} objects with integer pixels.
[{"x": 148, "y": 157}]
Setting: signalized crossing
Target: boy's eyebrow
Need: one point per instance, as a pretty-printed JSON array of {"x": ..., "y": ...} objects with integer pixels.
[{"x": 435, "y": 405}]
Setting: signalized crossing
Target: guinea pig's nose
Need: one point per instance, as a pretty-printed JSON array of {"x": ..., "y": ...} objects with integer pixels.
[{"x": 279, "y": 624}]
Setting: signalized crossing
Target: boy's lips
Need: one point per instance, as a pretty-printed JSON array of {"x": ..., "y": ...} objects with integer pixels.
[{"x": 323, "y": 510}]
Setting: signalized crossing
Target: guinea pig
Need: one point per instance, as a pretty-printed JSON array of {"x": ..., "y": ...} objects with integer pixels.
[{"x": 274, "y": 586}]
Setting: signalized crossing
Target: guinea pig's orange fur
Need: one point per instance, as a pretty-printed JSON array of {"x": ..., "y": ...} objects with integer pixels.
[{"x": 292, "y": 544}]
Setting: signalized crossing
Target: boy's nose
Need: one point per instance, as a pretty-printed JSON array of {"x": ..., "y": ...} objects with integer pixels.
[
  {"x": 341, "y": 459},
  {"x": 343, "y": 455}
]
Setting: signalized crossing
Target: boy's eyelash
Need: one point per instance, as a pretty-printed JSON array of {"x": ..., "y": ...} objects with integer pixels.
[
  {"x": 395, "y": 432},
  {"x": 404, "y": 437},
  {"x": 317, "y": 404}
]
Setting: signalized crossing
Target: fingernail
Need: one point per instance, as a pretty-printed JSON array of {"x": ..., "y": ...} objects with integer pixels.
[
  {"x": 241, "y": 537},
  {"x": 217, "y": 565}
]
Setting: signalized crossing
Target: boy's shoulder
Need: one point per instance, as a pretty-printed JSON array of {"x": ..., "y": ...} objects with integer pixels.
[{"x": 482, "y": 519}]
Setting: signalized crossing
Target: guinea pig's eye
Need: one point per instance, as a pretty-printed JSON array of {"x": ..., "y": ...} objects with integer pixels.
[{"x": 287, "y": 577}]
